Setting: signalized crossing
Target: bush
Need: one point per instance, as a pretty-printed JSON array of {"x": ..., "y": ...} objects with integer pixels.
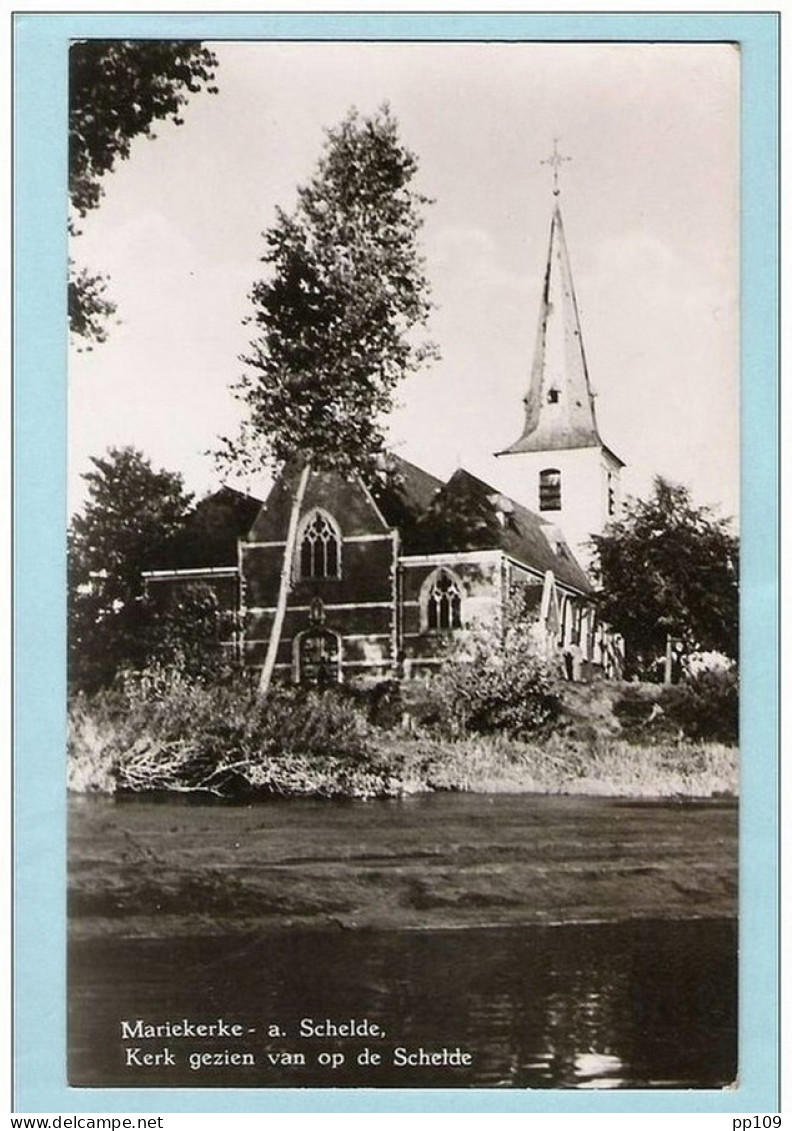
[
  {"x": 694, "y": 663},
  {"x": 160, "y": 729},
  {"x": 638, "y": 710},
  {"x": 91, "y": 750},
  {"x": 705, "y": 706},
  {"x": 493, "y": 681},
  {"x": 163, "y": 731},
  {"x": 186, "y": 629},
  {"x": 381, "y": 703}
]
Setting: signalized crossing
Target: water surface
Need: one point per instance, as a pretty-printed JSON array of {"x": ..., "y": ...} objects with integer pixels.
[
  {"x": 545, "y": 942},
  {"x": 636, "y": 1004}
]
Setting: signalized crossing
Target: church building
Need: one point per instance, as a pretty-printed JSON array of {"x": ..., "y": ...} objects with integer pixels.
[{"x": 384, "y": 572}]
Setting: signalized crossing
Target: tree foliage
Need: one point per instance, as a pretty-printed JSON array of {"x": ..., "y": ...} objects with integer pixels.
[
  {"x": 493, "y": 681},
  {"x": 88, "y": 306},
  {"x": 117, "y": 90},
  {"x": 668, "y": 567},
  {"x": 706, "y": 706},
  {"x": 131, "y": 512},
  {"x": 184, "y": 631},
  {"x": 345, "y": 288},
  {"x": 334, "y": 316}
]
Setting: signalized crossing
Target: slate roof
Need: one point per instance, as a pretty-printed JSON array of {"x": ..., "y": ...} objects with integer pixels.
[
  {"x": 467, "y": 503},
  {"x": 209, "y": 535},
  {"x": 417, "y": 485},
  {"x": 559, "y": 370},
  {"x": 404, "y": 494},
  {"x": 432, "y": 517}
]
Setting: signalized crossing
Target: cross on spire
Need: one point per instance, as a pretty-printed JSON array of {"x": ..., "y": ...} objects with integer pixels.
[{"x": 556, "y": 161}]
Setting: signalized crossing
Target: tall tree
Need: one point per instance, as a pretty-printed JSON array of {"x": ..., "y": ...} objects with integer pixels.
[
  {"x": 666, "y": 568},
  {"x": 131, "y": 512},
  {"x": 117, "y": 89},
  {"x": 335, "y": 315}
]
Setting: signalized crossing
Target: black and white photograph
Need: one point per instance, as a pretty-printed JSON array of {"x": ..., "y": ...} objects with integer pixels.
[{"x": 403, "y": 564}]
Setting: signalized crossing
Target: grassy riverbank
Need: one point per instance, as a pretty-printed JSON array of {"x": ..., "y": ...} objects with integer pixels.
[
  {"x": 563, "y": 766},
  {"x": 397, "y": 765},
  {"x": 219, "y": 741}
]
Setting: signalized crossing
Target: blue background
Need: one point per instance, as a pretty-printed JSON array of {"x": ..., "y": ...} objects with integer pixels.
[{"x": 40, "y": 401}]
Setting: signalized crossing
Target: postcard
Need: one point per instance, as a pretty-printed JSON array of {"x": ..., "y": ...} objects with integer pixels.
[{"x": 396, "y": 479}]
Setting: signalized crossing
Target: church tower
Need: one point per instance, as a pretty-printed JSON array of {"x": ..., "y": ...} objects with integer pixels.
[{"x": 559, "y": 466}]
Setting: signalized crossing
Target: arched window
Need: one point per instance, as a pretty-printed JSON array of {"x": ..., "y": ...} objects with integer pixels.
[
  {"x": 550, "y": 489},
  {"x": 320, "y": 546},
  {"x": 441, "y": 602}
]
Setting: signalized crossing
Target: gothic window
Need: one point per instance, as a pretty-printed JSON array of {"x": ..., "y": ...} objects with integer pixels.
[
  {"x": 441, "y": 603},
  {"x": 550, "y": 489},
  {"x": 611, "y": 494},
  {"x": 320, "y": 547}
]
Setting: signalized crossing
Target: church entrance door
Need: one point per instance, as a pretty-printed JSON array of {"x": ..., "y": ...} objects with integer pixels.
[{"x": 318, "y": 657}]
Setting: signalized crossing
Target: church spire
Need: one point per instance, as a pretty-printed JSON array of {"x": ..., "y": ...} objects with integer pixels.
[
  {"x": 559, "y": 465},
  {"x": 559, "y": 403}
]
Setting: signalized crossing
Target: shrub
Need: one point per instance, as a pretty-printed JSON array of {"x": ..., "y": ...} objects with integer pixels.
[
  {"x": 640, "y": 714},
  {"x": 386, "y": 706},
  {"x": 228, "y": 718},
  {"x": 160, "y": 729},
  {"x": 382, "y": 703},
  {"x": 694, "y": 663},
  {"x": 705, "y": 706},
  {"x": 493, "y": 681},
  {"x": 91, "y": 761}
]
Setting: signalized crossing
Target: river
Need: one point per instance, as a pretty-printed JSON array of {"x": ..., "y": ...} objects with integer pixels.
[{"x": 464, "y": 941}]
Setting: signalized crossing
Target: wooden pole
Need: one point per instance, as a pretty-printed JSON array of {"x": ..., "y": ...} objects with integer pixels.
[{"x": 668, "y": 672}]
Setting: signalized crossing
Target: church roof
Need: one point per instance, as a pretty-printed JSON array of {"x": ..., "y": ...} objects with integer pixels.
[
  {"x": 469, "y": 514},
  {"x": 559, "y": 403},
  {"x": 209, "y": 535},
  {"x": 431, "y": 516},
  {"x": 417, "y": 485},
  {"x": 343, "y": 496},
  {"x": 403, "y": 494}
]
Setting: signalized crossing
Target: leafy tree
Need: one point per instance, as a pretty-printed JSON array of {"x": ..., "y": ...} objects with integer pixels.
[
  {"x": 131, "y": 512},
  {"x": 184, "y": 631},
  {"x": 493, "y": 681},
  {"x": 334, "y": 316},
  {"x": 668, "y": 567},
  {"x": 117, "y": 89},
  {"x": 87, "y": 304}
]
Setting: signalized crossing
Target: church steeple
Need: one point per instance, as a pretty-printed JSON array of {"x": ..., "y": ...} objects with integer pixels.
[
  {"x": 559, "y": 404},
  {"x": 559, "y": 465}
]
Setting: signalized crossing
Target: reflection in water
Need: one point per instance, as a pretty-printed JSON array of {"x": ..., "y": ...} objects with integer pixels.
[
  {"x": 598, "y": 1070},
  {"x": 607, "y": 1006}
]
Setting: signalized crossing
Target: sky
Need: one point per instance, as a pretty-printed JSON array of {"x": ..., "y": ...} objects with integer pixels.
[{"x": 650, "y": 201}]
